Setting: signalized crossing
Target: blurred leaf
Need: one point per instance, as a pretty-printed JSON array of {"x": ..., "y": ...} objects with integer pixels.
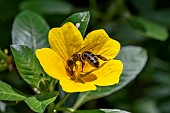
[
  {"x": 149, "y": 29},
  {"x": 146, "y": 106},
  {"x": 8, "y": 93},
  {"x": 101, "y": 111},
  {"x": 80, "y": 20},
  {"x": 158, "y": 92},
  {"x": 27, "y": 64},
  {"x": 47, "y": 6},
  {"x": 143, "y": 5},
  {"x": 134, "y": 59},
  {"x": 2, "y": 107},
  {"x": 160, "y": 16},
  {"x": 165, "y": 106},
  {"x": 31, "y": 30},
  {"x": 39, "y": 102},
  {"x": 3, "y": 67},
  {"x": 126, "y": 34},
  {"x": 161, "y": 77}
]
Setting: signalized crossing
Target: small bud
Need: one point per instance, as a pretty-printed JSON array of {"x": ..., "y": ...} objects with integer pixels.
[
  {"x": 77, "y": 25},
  {"x": 6, "y": 51}
]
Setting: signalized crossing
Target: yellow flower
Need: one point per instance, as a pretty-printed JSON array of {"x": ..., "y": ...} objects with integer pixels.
[{"x": 66, "y": 41}]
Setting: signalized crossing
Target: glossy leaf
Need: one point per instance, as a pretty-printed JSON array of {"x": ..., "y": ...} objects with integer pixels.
[
  {"x": 39, "y": 102},
  {"x": 27, "y": 64},
  {"x": 8, "y": 93},
  {"x": 149, "y": 29},
  {"x": 31, "y": 30},
  {"x": 101, "y": 111},
  {"x": 47, "y": 6},
  {"x": 81, "y": 20},
  {"x": 134, "y": 59}
]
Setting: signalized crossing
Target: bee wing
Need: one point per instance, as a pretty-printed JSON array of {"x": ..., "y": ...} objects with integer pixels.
[{"x": 87, "y": 47}]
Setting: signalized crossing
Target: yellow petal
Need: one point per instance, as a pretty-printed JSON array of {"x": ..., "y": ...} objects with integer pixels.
[
  {"x": 65, "y": 40},
  {"x": 51, "y": 63},
  {"x": 71, "y": 86},
  {"x": 103, "y": 44},
  {"x": 109, "y": 73}
]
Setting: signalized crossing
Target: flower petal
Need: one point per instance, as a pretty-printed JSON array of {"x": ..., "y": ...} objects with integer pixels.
[
  {"x": 51, "y": 63},
  {"x": 109, "y": 73},
  {"x": 71, "y": 86},
  {"x": 65, "y": 40},
  {"x": 103, "y": 44}
]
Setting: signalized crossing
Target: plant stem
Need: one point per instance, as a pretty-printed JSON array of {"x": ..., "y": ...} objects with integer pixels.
[
  {"x": 65, "y": 109},
  {"x": 62, "y": 101},
  {"x": 51, "y": 86},
  {"x": 80, "y": 101}
]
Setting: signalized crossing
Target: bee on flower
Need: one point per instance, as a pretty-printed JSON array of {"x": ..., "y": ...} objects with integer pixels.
[{"x": 79, "y": 64}]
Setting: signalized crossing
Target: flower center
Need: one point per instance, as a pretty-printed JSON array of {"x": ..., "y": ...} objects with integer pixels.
[
  {"x": 77, "y": 69},
  {"x": 76, "y": 73}
]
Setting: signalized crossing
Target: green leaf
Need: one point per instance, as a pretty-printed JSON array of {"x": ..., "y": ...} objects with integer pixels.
[
  {"x": 8, "y": 93},
  {"x": 143, "y": 5},
  {"x": 39, "y": 102},
  {"x": 161, "y": 17},
  {"x": 27, "y": 64},
  {"x": 149, "y": 29},
  {"x": 47, "y": 7},
  {"x": 81, "y": 20},
  {"x": 2, "y": 106},
  {"x": 134, "y": 59},
  {"x": 146, "y": 105},
  {"x": 101, "y": 111},
  {"x": 127, "y": 34},
  {"x": 31, "y": 30}
]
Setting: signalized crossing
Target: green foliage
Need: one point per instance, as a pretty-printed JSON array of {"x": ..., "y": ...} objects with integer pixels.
[
  {"x": 134, "y": 59},
  {"x": 47, "y": 7},
  {"x": 27, "y": 64},
  {"x": 149, "y": 29},
  {"x": 101, "y": 111},
  {"x": 161, "y": 17},
  {"x": 39, "y": 102},
  {"x": 31, "y": 30},
  {"x": 9, "y": 93},
  {"x": 143, "y": 5},
  {"x": 81, "y": 21}
]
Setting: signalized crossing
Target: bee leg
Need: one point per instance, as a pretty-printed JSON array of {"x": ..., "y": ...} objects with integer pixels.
[
  {"x": 83, "y": 63},
  {"x": 81, "y": 81},
  {"x": 101, "y": 57}
]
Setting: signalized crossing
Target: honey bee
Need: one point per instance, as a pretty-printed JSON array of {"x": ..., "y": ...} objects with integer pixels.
[{"x": 87, "y": 55}]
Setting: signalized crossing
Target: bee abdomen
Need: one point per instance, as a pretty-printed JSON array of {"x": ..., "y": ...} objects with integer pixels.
[{"x": 90, "y": 58}]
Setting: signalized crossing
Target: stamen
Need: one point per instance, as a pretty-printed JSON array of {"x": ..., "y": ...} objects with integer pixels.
[
  {"x": 75, "y": 72},
  {"x": 78, "y": 68},
  {"x": 78, "y": 71}
]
